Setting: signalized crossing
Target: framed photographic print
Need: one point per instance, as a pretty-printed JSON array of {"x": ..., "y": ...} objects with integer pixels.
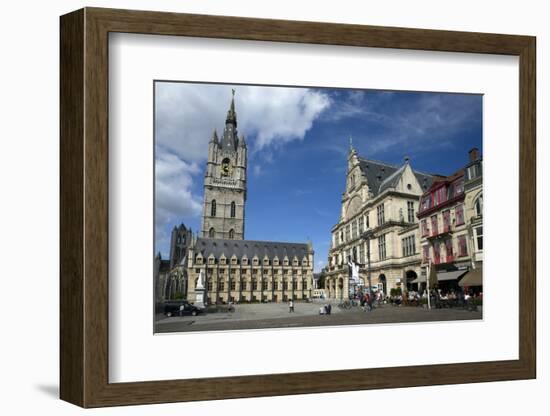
[{"x": 257, "y": 207}]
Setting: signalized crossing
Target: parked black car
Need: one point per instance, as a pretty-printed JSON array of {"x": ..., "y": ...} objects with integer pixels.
[{"x": 180, "y": 307}]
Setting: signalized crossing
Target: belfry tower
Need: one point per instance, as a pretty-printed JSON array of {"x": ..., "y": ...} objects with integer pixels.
[{"x": 225, "y": 182}]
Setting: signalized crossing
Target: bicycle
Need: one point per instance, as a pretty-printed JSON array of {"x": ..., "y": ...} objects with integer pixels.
[{"x": 346, "y": 304}]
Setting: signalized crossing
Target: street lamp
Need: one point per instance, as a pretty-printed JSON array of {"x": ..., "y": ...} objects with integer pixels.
[{"x": 367, "y": 236}]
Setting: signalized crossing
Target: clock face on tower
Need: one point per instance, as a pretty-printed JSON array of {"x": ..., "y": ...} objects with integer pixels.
[{"x": 226, "y": 167}]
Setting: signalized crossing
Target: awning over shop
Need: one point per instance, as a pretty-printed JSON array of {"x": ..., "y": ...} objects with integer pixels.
[
  {"x": 472, "y": 278},
  {"x": 443, "y": 276}
]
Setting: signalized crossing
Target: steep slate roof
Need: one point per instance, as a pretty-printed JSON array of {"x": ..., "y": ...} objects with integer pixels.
[
  {"x": 381, "y": 176},
  {"x": 250, "y": 248}
]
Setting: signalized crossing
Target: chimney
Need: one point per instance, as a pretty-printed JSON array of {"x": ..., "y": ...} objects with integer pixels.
[{"x": 474, "y": 154}]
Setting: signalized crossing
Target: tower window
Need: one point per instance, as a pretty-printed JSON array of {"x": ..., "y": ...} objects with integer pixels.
[
  {"x": 213, "y": 208},
  {"x": 211, "y": 233},
  {"x": 233, "y": 209},
  {"x": 231, "y": 234}
]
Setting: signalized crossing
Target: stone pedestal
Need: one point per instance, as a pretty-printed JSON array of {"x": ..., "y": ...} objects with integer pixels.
[{"x": 200, "y": 292}]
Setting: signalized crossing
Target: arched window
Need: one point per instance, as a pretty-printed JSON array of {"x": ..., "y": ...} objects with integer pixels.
[
  {"x": 233, "y": 209},
  {"x": 213, "y": 208},
  {"x": 211, "y": 233},
  {"x": 478, "y": 205},
  {"x": 231, "y": 234}
]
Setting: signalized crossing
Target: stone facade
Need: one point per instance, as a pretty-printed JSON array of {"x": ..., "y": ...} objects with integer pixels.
[
  {"x": 235, "y": 269},
  {"x": 225, "y": 183},
  {"x": 378, "y": 220},
  {"x": 473, "y": 201},
  {"x": 171, "y": 274},
  {"x": 251, "y": 271}
]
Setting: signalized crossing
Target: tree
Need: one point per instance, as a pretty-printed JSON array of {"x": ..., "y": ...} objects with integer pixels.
[{"x": 322, "y": 278}]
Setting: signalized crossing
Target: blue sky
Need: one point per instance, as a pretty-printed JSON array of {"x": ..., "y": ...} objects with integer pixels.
[{"x": 298, "y": 141}]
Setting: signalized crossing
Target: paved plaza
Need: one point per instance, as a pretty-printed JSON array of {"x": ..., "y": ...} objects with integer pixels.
[{"x": 277, "y": 315}]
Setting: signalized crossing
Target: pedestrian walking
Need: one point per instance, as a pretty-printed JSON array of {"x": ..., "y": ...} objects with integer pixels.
[
  {"x": 329, "y": 309},
  {"x": 368, "y": 302},
  {"x": 290, "y": 306}
]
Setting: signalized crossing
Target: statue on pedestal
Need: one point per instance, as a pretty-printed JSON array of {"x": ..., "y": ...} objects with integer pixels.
[{"x": 200, "y": 291}]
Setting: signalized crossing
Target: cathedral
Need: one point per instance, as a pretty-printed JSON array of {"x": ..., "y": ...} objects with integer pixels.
[{"x": 235, "y": 269}]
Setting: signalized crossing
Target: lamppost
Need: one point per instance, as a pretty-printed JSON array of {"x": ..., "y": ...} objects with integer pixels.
[{"x": 367, "y": 236}]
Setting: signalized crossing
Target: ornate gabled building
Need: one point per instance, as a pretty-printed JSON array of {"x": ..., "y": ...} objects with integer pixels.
[
  {"x": 251, "y": 271},
  {"x": 451, "y": 223},
  {"x": 235, "y": 269},
  {"x": 380, "y": 198}
]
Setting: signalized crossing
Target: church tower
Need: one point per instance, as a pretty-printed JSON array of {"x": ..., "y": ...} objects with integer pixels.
[{"x": 225, "y": 182}]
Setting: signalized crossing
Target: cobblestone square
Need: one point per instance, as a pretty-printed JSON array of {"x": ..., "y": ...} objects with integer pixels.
[{"x": 277, "y": 315}]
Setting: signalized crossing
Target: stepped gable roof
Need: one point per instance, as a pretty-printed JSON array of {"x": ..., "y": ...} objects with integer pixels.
[{"x": 250, "y": 248}]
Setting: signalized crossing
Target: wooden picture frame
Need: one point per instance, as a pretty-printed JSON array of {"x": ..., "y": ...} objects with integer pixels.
[{"x": 84, "y": 207}]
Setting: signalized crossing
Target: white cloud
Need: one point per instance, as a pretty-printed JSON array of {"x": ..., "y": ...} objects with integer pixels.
[
  {"x": 174, "y": 199},
  {"x": 186, "y": 115}
]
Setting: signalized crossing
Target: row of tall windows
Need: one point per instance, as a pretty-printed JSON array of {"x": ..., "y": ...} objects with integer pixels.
[
  {"x": 213, "y": 207},
  {"x": 353, "y": 230},
  {"x": 459, "y": 220},
  {"x": 255, "y": 284}
]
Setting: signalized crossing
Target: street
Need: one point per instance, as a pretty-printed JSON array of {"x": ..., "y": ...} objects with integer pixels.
[{"x": 276, "y": 315}]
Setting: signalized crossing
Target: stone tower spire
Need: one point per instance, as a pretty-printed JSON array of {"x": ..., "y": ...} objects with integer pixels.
[
  {"x": 231, "y": 113},
  {"x": 225, "y": 182},
  {"x": 214, "y": 138},
  {"x": 230, "y": 138}
]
